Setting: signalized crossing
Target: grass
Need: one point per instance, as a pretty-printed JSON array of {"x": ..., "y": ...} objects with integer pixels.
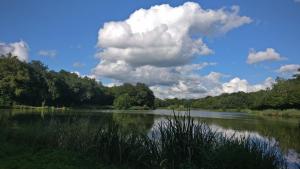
[
  {"x": 89, "y": 107},
  {"x": 286, "y": 113},
  {"x": 278, "y": 113},
  {"x": 177, "y": 143},
  {"x": 13, "y": 156},
  {"x": 25, "y": 107}
]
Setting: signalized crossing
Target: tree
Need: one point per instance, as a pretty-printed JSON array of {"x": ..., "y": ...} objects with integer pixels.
[
  {"x": 14, "y": 79},
  {"x": 140, "y": 94},
  {"x": 123, "y": 101},
  {"x": 33, "y": 84},
  {"x": 144, "y": 96}
]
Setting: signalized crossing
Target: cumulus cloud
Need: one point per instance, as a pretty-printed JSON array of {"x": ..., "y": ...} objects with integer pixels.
[
  {"x": 209, "y": 85},
  {"x": 269, "y": 54},
  {"x": 194, "y": 86},
  {"x": 164, "y": 35},
  {"x": 237, "y": 84},
  {"x": 47, "y": 53},
  {"x": 151, "y": 75},
  {"x": 291, "y": 68},
  {"x": 157, "y": 45},
  {"x": 19, "y": 49}
]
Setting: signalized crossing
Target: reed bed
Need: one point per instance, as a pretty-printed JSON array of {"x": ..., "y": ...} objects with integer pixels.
[{"x": 176, "y": 143}]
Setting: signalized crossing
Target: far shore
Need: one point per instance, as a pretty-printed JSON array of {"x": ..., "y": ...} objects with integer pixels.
[{"x": 287, "y": 113}]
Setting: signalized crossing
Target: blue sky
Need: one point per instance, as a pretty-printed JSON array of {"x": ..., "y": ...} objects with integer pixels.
[{"x": 70, "y": 30}]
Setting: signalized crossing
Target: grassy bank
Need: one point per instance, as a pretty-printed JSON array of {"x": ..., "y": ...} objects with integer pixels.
[
  {"x": 90, "y": 107},
  {"x": 177, "y": 143},
  {"x": 25, "y": 107},
  {"x": 277, "y": 113},
  {"x": 267, "y": 112}
]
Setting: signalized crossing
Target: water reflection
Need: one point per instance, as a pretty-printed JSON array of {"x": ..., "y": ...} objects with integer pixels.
[
  {"x": 284, "y": 132},
  {"x": 291, "y": 156}
]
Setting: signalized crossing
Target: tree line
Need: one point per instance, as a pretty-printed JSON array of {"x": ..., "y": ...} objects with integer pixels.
[
  {"x": 284, "y": 94},
  {"x": 34, "y": 84}
]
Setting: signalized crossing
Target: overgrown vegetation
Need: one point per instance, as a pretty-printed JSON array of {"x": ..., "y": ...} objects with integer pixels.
[
  {"x": 33, "y": 84},
  {"x": 177, "y": 143},
  {"x": 14, "y": 156}
]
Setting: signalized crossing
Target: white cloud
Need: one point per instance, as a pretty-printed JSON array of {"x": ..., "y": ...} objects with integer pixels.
[
  {"x": 269, "y": 54},
  {"x": 214, "y": 76},
  {"x": 185, "y": 89},
  {"x": 19, "y": 49},
  {"x": 112, "y": 84},
  {"x": 77, "y": 73},
  {"x": 151, "y": 75},
  {"x": 209, "y": 85},
  {"x": 84, "y": 76},
  {"x": 157, "y": 45},
  {"x": 91, "y": 77},
  {"x": 186, "y": 69},
  {"x": 165, "y": 35},
  {"x": 237, "y": 84},
  {"x": 291, "y": 68},
  {"x": 297, "y": 1},
  {"x": 47, "y": 53}
]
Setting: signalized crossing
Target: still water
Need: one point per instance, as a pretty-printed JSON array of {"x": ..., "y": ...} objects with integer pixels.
[{"x": 284, "y": 132}]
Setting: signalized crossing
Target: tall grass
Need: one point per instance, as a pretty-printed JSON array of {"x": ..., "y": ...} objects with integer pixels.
[{"x": 176, "y": 143}]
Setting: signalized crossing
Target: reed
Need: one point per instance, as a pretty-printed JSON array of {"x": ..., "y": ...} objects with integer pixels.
[{"x": 176, "y": 143}]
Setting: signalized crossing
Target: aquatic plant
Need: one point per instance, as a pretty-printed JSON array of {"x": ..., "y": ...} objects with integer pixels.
[{"x": 179, "y": 142}]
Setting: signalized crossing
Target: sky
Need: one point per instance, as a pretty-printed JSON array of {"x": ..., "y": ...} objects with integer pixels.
[{"x": 184, "y": 49}]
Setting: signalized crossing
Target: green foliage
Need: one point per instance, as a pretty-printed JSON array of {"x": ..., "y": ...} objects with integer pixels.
[
  {"x": 14, "y": 80},
  {"x": 173, "y": 103},
  {"x": 14, "y": 156},
  {"x": 128, "y": 95},
  {"x": 123, "y": 101},
  {"x": 34, "y": 85}
]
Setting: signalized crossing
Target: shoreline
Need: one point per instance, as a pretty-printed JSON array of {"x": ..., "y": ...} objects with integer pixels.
[{"x": 287, "y": 113}]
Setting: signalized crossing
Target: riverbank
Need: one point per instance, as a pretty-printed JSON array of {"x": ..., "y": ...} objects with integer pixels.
[
  {"x": 25, "y": 107},
  {"x": 277, "y": 113},
  {"x": 84, "y": 107},
  {"x": 287, "y": 113}
]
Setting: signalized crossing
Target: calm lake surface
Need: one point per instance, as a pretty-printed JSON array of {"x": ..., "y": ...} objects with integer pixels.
[{"x": 284, "y": 132}]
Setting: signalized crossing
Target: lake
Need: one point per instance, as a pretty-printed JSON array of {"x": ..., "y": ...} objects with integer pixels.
[{"x": 284, "y": 132}]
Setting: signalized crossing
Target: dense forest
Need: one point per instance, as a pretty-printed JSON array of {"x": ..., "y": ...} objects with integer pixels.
[
  {"x": 34, "y": 84},
  {"x": 284, "y": 94}
]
